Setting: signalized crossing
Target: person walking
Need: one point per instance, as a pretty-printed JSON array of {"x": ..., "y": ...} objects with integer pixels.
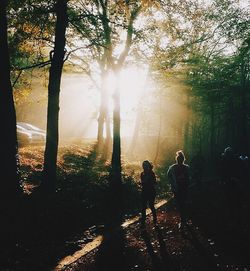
[
  {"x": 178, "y": 175},
  {"x": 148, "y": 194}
]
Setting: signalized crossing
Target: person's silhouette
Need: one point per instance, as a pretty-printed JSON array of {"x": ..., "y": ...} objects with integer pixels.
[
  {"x": 148, "y": 182},
  {"x": 178, "y": 175}
]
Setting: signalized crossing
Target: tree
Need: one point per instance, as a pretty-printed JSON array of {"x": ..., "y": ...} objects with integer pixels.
[
  {"x": 209, "y": 45},
  {"x": 105, "y": 24},
  {"x": 55, "y": 73},
  {"x": 9, "y": 171},
  {"x": 101, "y": 26},
  {"x": 30, "y": 32}
]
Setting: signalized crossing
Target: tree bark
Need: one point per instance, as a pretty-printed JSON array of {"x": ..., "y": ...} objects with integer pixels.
[
  {"x": 116, "y": 66},
  {"x": 116, "y": 176},
  {"x": 8, "y": 137},
  {"x": 55, "y": 73},
  {"x": 116, "y": 155},
  {"x": 159, "y": 133},
  {"x": 107, "y": 144},
  {"x": 101, "y": 118}
]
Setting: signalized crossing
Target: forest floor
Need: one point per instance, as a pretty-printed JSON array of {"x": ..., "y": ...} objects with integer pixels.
[
  {"x": 43, "y": 231},
  {"x": 206, "y": 243}
]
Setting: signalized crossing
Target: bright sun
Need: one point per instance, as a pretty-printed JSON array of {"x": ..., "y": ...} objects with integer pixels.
[
  {"x": 80, "y": 103},
  {"x": 132, "y": 86}
]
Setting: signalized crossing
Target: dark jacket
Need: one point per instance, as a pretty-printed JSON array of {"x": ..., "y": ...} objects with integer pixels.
[
  {"x": 148, "y": 182},
  {"x": 179, "y": 177}
]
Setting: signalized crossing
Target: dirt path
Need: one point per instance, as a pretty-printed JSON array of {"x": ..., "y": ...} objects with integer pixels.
[
  {"x": 68, "y": 260},
  {"x": 164, "y": 247}
]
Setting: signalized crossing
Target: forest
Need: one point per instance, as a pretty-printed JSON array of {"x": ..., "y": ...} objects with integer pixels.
[{"x": 91, "y": 89}]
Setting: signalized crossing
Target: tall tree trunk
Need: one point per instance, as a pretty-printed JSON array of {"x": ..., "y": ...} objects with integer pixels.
[
  {"x": 212, "y": 128},
  {"x": 186, "y": 136},
  {"x": 55, "y": 73},
  {"x": 116, "y": 155},
  {"x": 135, "y": 132},
  {"x": 116, "y": 178},
  {"x": 8, "y": 136},
  {"x": 159, "y": 134},
  {"x": 107, "y": 144},
  {"x": 243, "y": 109},
  {"x": 104, "y": 120},
  {"x": 101, "y": 119},
  {"x": 229, "y": 133},
  {"x": 188, "y": 119},
  {"x": 108, "y": 129}
]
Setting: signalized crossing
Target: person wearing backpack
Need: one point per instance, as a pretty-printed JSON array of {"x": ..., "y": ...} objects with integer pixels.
[{"x": 178, "y": 175}]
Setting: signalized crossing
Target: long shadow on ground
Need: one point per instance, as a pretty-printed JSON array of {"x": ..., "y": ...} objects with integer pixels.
[
  {"x": 209, "y": 211},
  {"x": 162, "y": 262}
]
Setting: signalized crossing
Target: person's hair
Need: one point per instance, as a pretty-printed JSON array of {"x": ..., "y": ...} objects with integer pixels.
[
  {"x": 180, "y": 157},
  {"x": 147, "y": 164}
]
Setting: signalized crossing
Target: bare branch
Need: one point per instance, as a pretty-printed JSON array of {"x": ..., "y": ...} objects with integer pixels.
[
  {"x": 36, "y": 65},
  {"x": 129, "y": 38},
  {"x": 18, "y": 76}
]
